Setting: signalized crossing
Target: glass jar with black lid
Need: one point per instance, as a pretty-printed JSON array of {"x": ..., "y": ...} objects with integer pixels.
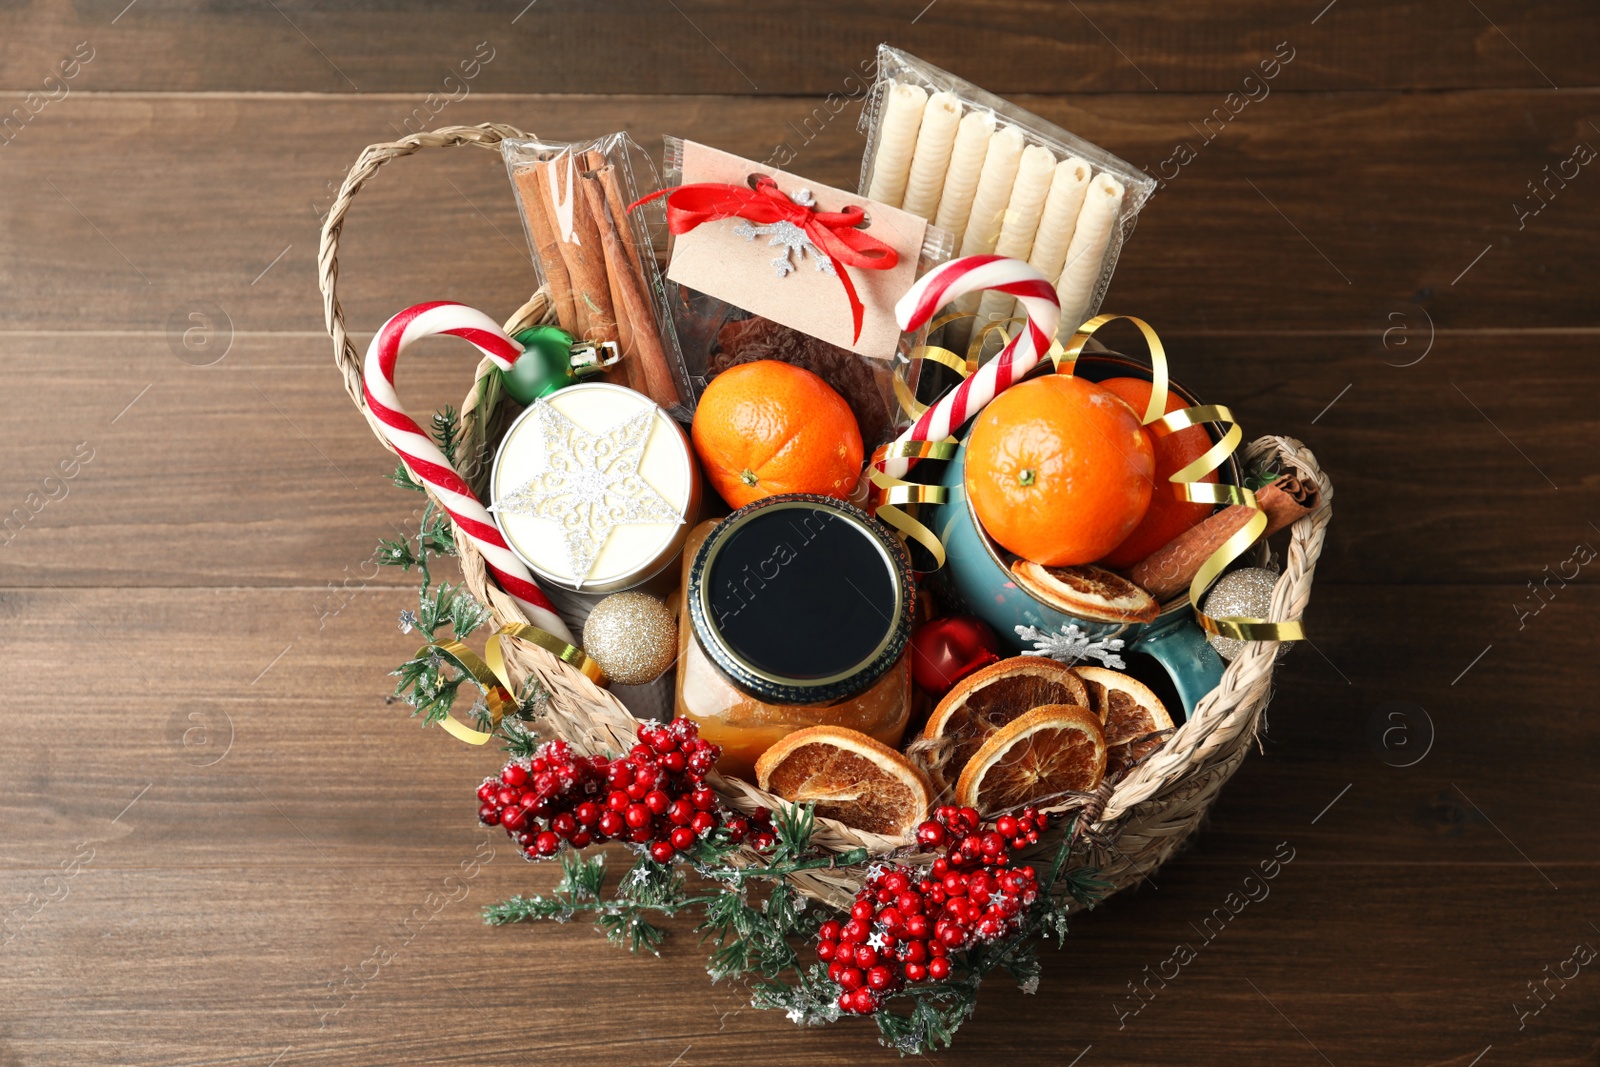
[{"x": 796, "y": 612}]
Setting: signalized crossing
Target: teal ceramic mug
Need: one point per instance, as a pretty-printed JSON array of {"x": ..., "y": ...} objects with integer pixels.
[{"x": 978, "y": 571}]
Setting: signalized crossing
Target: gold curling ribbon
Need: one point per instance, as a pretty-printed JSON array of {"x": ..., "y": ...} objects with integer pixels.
[
  {"x": 896, "y": 493},
  {"x": 1187, "y": 484},
  {"x": 571, "y": 655},
  {"x": 492, "y": 676}
]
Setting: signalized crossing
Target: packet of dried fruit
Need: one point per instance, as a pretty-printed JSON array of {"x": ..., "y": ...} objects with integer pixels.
[{"x": 764, "y": 264}]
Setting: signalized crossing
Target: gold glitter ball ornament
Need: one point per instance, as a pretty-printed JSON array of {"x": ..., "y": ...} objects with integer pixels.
[
  {"x": 1245, "y": 592},
  {"x": 633, "y": 636}
]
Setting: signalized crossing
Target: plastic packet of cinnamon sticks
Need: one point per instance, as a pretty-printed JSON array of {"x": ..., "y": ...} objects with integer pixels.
[
  {"x": 599, "y": 260},
  {"x": 773, "y": 263},
  {"x": 1003, "y": 180}
]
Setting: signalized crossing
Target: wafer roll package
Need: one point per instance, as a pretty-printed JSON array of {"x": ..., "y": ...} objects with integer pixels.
[{"x": 1002, "y": 180}]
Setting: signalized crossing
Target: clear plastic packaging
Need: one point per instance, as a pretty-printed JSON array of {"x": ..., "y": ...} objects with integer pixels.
[
  {"x": 715, "y": 334},
  {"x": 1005, "y": 179},
  {"x": 598, "y": 259}
]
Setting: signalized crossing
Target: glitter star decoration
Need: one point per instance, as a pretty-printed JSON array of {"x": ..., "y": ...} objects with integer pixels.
[{"x": 590, "y": 484}]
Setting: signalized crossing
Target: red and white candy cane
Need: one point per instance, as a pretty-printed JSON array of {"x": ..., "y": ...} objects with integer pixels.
[
  {"x": 955, "y": 279},
  {"x": 429, "y": 464}
]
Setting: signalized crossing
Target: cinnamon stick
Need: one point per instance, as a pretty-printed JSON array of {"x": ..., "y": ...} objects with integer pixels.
[
  {"x": 1169, "y": 570},
  {"x": 629, "y": 370},
  {"x": 648, "y": 360},
  {"x": 617, "y": 204},
  {"x": 580, "y": 248},
  {"x": 535, "y": 205},
  {"x": 605, "y": 173}
]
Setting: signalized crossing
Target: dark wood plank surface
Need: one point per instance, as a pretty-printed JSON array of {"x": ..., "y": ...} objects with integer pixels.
[
  {"x": 730, "y": 46},
  {"x": 1376, "y": 203},
  {"x": 274, "y": 865}
]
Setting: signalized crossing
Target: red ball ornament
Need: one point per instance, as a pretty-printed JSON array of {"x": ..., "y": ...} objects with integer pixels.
[{"x": 946, "y": 650}]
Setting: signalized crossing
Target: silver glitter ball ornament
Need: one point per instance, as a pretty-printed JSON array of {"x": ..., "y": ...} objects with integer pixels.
[
  {"x": 633, "y": 636},
  {"x": 1245, "y": 592}
]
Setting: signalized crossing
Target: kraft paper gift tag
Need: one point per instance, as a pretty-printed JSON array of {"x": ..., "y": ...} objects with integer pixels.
[{"x": 765, "y": 277}]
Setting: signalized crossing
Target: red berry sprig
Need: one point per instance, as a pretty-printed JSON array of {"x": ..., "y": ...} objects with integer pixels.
[
  {"x": 906, "y": 921},
  {"x": 655, "y": 797}
]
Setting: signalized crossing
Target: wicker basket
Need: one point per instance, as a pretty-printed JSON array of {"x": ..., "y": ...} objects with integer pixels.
[{"x": 1130, "y": 826}]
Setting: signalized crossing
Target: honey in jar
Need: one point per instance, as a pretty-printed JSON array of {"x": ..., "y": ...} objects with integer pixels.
[{"x": 796, "y": 612}]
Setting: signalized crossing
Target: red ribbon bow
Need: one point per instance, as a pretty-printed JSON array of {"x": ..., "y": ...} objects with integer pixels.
[{"x": 834, "y": 232}]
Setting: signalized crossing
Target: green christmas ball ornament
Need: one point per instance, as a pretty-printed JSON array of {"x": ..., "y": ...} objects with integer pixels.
[{"x": 551, "y": 359}]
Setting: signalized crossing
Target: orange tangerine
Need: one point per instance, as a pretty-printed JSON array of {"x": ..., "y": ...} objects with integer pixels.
[
  {"x": 1059, "y": 470},
  {"x": 1167, "y": 516},
  {"x": 767, "y": 427}
]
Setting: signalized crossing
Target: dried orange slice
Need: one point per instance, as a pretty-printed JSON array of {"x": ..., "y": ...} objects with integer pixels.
[
  {"x": 1087, "y": 592},
  {"x": 988, "y": 699},
  {"x": 1054, "y": 749},
  {"x": 850, "y": 777},
  {"x": 1125, "y": 705}
]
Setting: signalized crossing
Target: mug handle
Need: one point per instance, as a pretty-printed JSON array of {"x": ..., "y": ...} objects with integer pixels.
[{"x": 1188, "y": 658}]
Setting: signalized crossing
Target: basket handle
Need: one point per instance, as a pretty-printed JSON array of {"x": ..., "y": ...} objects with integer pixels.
[{"x": 345, "y": 354}]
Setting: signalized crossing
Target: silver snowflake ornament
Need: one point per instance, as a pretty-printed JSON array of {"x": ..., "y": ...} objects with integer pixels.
[
  {"x": 792, "y": 239},
  {"x": 590, "y": 484},
  {"x": 1072, "y": 644}
]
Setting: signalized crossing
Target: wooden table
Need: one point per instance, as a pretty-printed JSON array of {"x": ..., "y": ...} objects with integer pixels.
[{"x": 223, "y": 842}]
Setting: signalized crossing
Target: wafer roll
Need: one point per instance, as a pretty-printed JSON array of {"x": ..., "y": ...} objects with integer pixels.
[
  {"x": 897, "y": 142},
  {"x": 1034, "y": 178},
  {"x": 961, "y": 177},
  {"x": 931, "y": 161},
  {"x": 999, "y": 174},
  {"x": 1060, "y": 217},
  {"x": 1102, "y": 206}
]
